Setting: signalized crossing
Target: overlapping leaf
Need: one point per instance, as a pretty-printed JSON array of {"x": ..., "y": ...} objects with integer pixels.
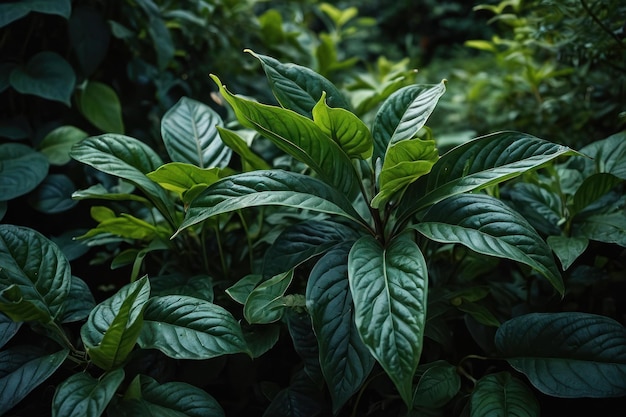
[
  {"x": 502, "y": 395},
  {"x": 81, "y": 395}
]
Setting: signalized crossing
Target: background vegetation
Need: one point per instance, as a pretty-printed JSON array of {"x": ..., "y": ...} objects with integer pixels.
[{"x": 83, "y": 211}]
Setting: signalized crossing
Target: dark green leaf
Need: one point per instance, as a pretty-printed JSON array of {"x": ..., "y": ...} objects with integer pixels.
[
  {"x": 344, "y": 359},
  {"x": 265, "y": 304},
  {"x": 567, "y": 249},
  {"x": 81, "y": 395},
  {"x": 305, "y": 344},
  {"x": 36, "y": 269},
  {"x": 100, "y": 105},
  {"x": 242, "y": 288},
  {"x": 300, "y": 399},
  {"x": 80, "y": 303},
  {"x": 609, "y": 156},
  {"x": 541, "y": 207},
  {"x": 299, "y": 137},
  {"x": 299, "y": 88},
  {"x": 89, "y": 34},
  {"x": 502, "y": 395},
  {"x": 12, "y": 11},
  {"x": 186, "y": 327},
  {"x": 190, "y": 135},
  {"x": 261, "y": 338},
  {"x": 604, "y": 220},
  {"x": 8, "y": 328},
  {"x": 48, "y": 75},
  {"x": 567, "y": 354},
  {"x": 21, "y": 170},
  {"x": 403, "y": 114},
  {"x": 266, "y": 188},
  {"x": 592, "y": 188},
  {"x": 303, "y": 241},
  {"x": 437, "y": 385},
  {"x": 198, "y": 286},
  {"x": 389, "y": 287},
  {"x": 54, "y": 194},
  {"x": 114, "y": 325},
  {"x": 22, "y": 369},
  {"x": 488, "y": 226},
  {"x": 249, "y": 159}
]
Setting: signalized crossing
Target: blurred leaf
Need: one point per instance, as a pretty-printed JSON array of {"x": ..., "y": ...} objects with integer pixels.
[
  {"x": 8, "y": 329},
  {"x": 47, "y": 75},
  {"x": 57, "y": 144},
  {"x": 54, "y": 194},
  {"x": 21, "y": 169},
  {"x": 12, "y": 11},
  {"x": 198, "y": 286},
  {"x": 89, "y": 35},
  {"x": 100, "y": 105}
]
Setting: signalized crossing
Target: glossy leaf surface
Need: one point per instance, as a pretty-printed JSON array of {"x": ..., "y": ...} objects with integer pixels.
[
  {"x": 81, "y": 395},
  {"x": 265, "y": 304},
  {"x": 501, "y": 394}
]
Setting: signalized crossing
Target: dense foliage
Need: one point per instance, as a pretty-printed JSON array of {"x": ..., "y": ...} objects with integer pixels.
[{"x": 328, "y": 235}]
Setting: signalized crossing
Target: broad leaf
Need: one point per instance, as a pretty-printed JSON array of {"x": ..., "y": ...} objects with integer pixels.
[
  {"x": 541, "y": 207},
  {"x": 592, "y": 188},
  {"x": 81, "y": 395},
  {"x": 607, "y": 156},
  {"x": 47, "y": 75},
  {"x": 186, "y": 327},
  {"x": 297, "y": 87},
  {"x": 404, "y": 163},
  {"x": 99, "y": 192},
  {"x": 345, "y": 128},
  {"x": 22, "y": 369},
  {"x": 301, "y": 399},
  {"x": 260, "y": 339},
  {"x": 54, "y": 194},
  {"x": 604, "y": 220},
  {"x": 190, "y": 135},
  {"x": 344, "y": 359},
  {"x": 502, "y": 395},
  {"x": 21, "y": 170},
  {"x": 129, "y": 159},
  {"x": 268, "y": 188},
  {"x": 477, "y": 164},
  {"x": 198, "y": 286},
  {"x": 488, "y": 226},
  {"x": 249, "y": 160},
  {"x": 181, "y": 177},
  {"x": 305, "y": 343},
  {"x": 114, "y": 325},
  {"x": 567, "y": 249},
  {"x": 242, "y": 288},
  {"x": 303, "y": 241},
  {"x": 266, "y": 304},
  {"x": 8, "y": 329},
  {"x": 299, "y": 137},
  {"x": 172, "y": 399},
  {"x": 100, "y": 105},
  {"x": 567, "y": 354},
  {"x": 34, "y": 272},
  {"x": 80, "y": 302},
  {"x": 403, "y": 114},
  {"x": 437, "y": 385},
  {"x": 57, "y": 144},
  {"x": 389, "y": 287}
]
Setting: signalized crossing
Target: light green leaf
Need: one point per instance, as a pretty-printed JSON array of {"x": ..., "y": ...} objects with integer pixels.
[
  {"x": 404, "y": 163},
  {"x": 488, "y": 226},
  {"x": 181, "y": 177},
  {"x": 268, "y": 188},
  {"x": 344, "y": 359},
  {"x": 403, "y": 114},
  {"x": 21, "y": 170},
  {"x": 298, "y": 136},
  {"x": 190, "y": 135},
  {"x": 22, "y": 369},
  {"x": 100, "y": 105},
  {"x": 303, "y": 241},
  {"x": 57, "y": 144},
  {"x": 54, "y": 194},
  {"x": 478, "y": 164},
  {"x": 47, "y": 75},
  {"x": 352, "y": 135},
  {"x": 186, "y": 327},
  {"x": 249, "y": 159},
  {"x": 567, "y": 249},
  {"x": 437, "y": 385},
  {"x": 14, "y": 305},
  {"x": 114, "y": 325},
  {"x": 570, "y": 355},
  {"x": 389, "y": 287},
  {"x": 128, "y": 226},
  {"x": 81, "y": 395},
  {"x": 129, "y": 159},
  {"x": 265, "y": 304},
  {"x": 99, "y": 192},
  {"x": 502, "y": 395},
  {"x": 298, "y": 88},
  {"x": 34, "y": 271}
]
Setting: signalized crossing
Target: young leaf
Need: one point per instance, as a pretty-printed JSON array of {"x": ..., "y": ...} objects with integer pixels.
[
  {"x": 57, "y": 144},
  {"x": 181, "y": 177},
  {"x": 186, "y": 327},
  {"x": 303, "y": 241},
  {"x": 81, "y": 395},
  {"x": 404, "y": 163},
  {"x": 299, "y": 137},
  {"x": 488, "y": 226},
  {"x": 268, "y": 188},
  {"x": 265, "y": 304},
  {"x": 190, "y": 135},
  {"x": 22, "y": 170},
  {"x": 501, "y": 394},
  {"x": 298, "y": 88},
  {"x": 249, "y": 159},
  {"x": 127, "y": 158},
  {"x": 389, "y": 286},
  {"x": 477, "y": 164},
  {"x": 113, "y": 326},
  {"x": 352, "y": 135},
  {"x": 22, "y": 369},
  {"x": 100, "y": 105},
  {"x": 33, "y": 271},
  {"x": 403, "y": 114},
  {"x": 569, "y": 354},
  {"x": 344, "y": 358}
]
